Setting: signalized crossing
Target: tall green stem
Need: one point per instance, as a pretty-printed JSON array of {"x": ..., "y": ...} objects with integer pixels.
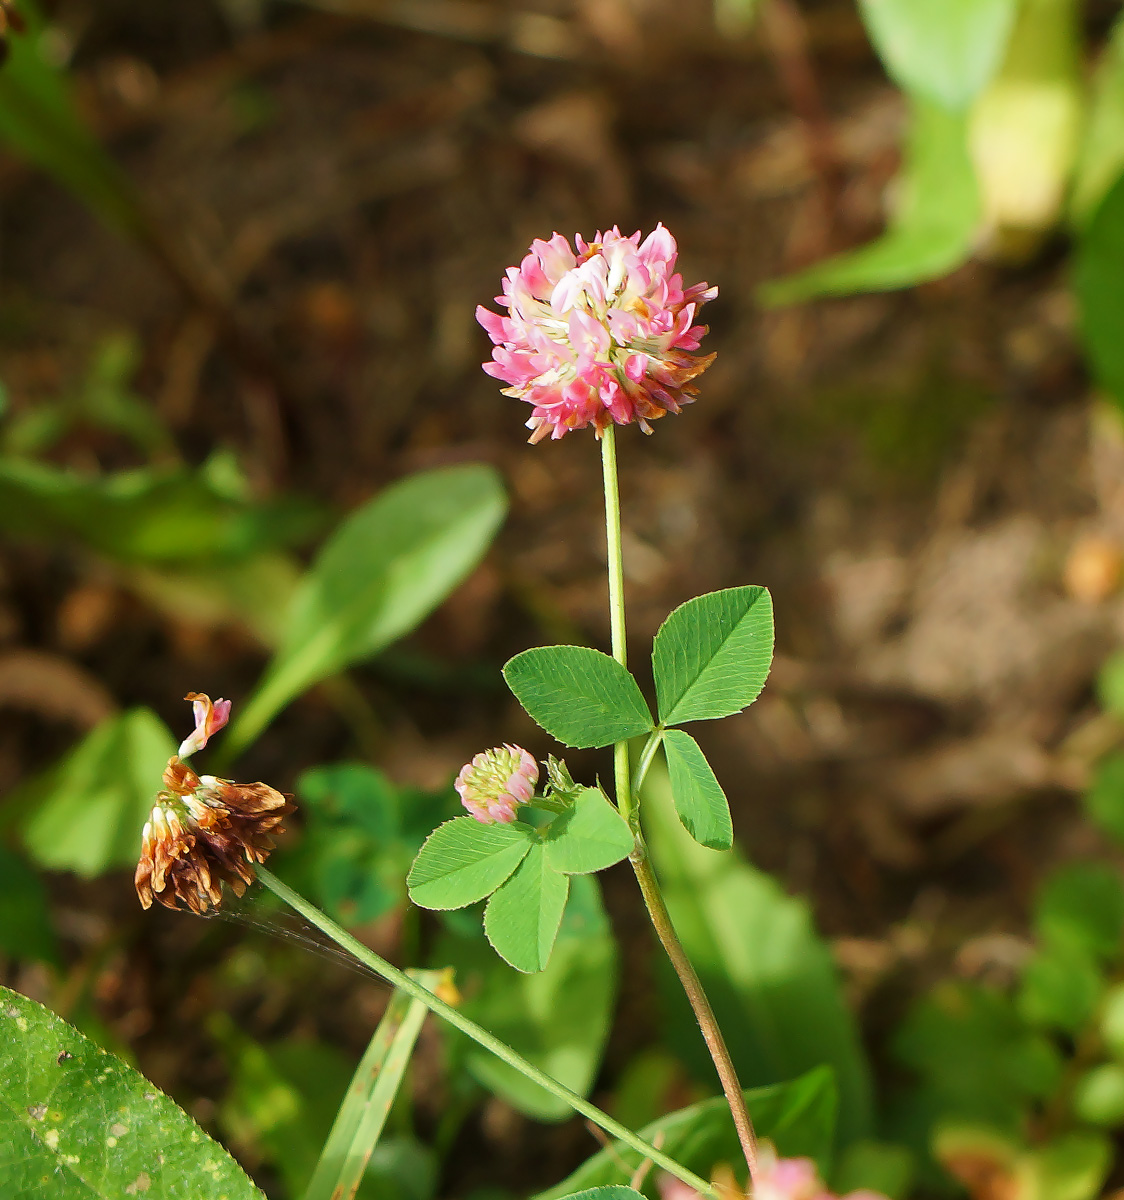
[
  {"x": 478, "y": 1033},
  {"x": 628, "y": 803}
]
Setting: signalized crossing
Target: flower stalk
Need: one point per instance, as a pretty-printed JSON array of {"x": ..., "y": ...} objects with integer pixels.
[
  {"x": 628, "y": 802},
  {"x": 479, "y": 1034}
]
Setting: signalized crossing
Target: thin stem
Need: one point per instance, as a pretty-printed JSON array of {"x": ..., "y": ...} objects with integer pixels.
[
  {"x": 478, "y": 1034},
  {"x": 628, "y": 796},
  {"x": 616, "y": 606}
]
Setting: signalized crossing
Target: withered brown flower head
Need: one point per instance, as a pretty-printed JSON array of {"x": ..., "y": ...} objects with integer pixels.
[{"x": 202, "y": 833}]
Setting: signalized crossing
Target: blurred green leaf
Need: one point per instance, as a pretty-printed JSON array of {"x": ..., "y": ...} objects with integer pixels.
[
  {"x": 942, "y": 50},
  {"x": 931, "y": 232},
  {"x": 1104, "y": 799},
  {"x": 77, "y": 1123},
  {"x": 559, "y": 1018},
  {"x": 881, "y": 1167},
  {"x": 798, "y": 1117},
  {"x": 1083, "y": 906},
  {"x": 464, "y": 860},
  {"x": 734, "y": 18},
  {"x": 976, "y": 1058},
  {"x": 86, "y": 813},
  {"x": 386, "y": 567},
  {"x": 1112, "y": 1021},
  {"x": 1098, "y": 1096},
  {"x": 1110, "y": 678},
  {"x": 1098, "y": 281},
  {"x": 770, "y": 979},
  {"x": 1060, "y": 988},
  {"x": 578, "y": 695},
  {"x": 400, "y": 1168},
  {"x": 39, "y": 121},
  {"x": 1072, "y": 1167},
  {"x": 523, "y": 914},
  {"x": 712, "y": 655},
  {"x": 25, "y": 917},
  {"x": 1100, "y": 160},
  {"x": 589, "y": 836},
  {"x": 699, "y": 798}
]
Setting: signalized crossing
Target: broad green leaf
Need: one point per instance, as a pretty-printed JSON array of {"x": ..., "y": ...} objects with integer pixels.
[
  {"x": 1072, "y": 1167},
  {"x": 1061, "y": 986},
  {"x": 1098, "y": 1096},
  {"x": 580, "y": 696},
  {"x": 942, "y": 50},
  {"x": 76, "y": 1123},
  {"x": 933, "y": 227},
  {"x": 771, "y": 980},
  {"x": 387, "y": 566},
  {"x": 463, "y": 861},
  {"x": 39, "y": 121},
  {"x": 884, "y": 1168},
  {"x": 1100, "y": 160},
  {"x": 523, "y": 914},
  {"x": 1112, "y": 1021},
  {"x": 976, "y": 1059},
  {"x": 367, "y": 1101},
  {"x": 614, "y": 1192},
  {"x": 1104, "y": 801},
  {"x": 590, "y": 836},
  {"x": 712, "y": 655},
  {"x": 1098, "y": 280},
  {"x": 1083, "y": 906},
  {"x": 699, "y": 798},
  {"x": 559, "y": 1018},
  {"x": 25, "y": 918},
  {"x": 797, "y": 1117},
  {"x": 87, "y": 813}
]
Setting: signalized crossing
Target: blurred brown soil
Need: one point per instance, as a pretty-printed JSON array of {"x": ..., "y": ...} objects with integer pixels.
[{"x": 921, "y": 478}]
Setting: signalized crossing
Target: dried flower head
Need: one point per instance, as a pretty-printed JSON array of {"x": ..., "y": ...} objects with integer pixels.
[
  {"x": 205, "y": 832},
  {"x": 604, "y": 334},
  {"x": 209, "y": 719},
  {"x": 496, "y": 782}
]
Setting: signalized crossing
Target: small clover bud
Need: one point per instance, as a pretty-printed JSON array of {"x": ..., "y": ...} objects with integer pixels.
[
  {"x": 560, "y": 783},
  {"x": 209, "y": 719},
  {"x": 496, "y": 782},
  {"x": 599, "y": 336}
]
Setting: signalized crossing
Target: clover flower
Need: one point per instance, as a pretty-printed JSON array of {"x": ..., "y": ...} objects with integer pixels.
[
  {"x": 204, "y": 833},
  {"x": 496, "y": 782},
  {"x": 601, "y": 335},
  {"x": 775, "y": 1179},
  {"x": 209, "y": 719}
]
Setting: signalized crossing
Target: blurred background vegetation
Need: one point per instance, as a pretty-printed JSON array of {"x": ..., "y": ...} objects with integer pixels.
[{"x": 246, "y": 447}]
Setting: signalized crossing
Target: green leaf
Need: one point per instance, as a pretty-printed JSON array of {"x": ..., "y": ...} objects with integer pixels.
[
  {"x": 711, "y": 656},
  {"x": 1098, "y": 1096},
  {"x": 387, "y": 566},
  {"x": 558, "y": 1018},
  {"x": 699, "y": 798},
  {"x": 39, "y": 121},
  {"x": 463, "y": 861},
  {"x": 76, "y": 1123},
  {"x": 580, "y": 696},
  {"x": 615, "y": 1192},
  {"x": 1072, "y": 1167},
  {"x": 25, "y": 918},
  {"x": 1112, "y": 1021},
  {"x": 881, "y": 1167},
  {"x": 523, "y": 915},
  {"x": 1098, "y": 282},
  {"x": 942, "y": 50},
  {"x": 1083, "y": 906},
  {"x": 932, "y": 230},
  {"x": 87, "y": 813},
  {"x": 771, "y": 980},
  {"x": 1104, "y": 801},
  {"x": 366, "y": 1104},
  {"x": 1061, "y": 986},
  {"x": 797, "y": 1117},
  {"x": 1100, "y": 160},
  {"x": 589, "y": 836}
]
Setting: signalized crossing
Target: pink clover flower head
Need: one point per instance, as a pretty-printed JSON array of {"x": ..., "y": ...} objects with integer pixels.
[
  {"x": 601, "y": 333},
  {"x": 496, "y": 782},
  {"x": 209, "y": 719}
]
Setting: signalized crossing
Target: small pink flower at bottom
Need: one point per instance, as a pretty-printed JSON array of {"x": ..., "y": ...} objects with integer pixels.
[
  {"x": 496, "y": 782},
  {"x": 209, "y": 719},
  {"x": 776, "y": 1179},
  {"x": 601, "y": 335}
]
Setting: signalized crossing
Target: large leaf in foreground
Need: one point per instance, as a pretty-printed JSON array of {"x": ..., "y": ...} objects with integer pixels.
[
  {"x": 580, "y": 696},
  {"x": 387, "y": 566},
  {"x": 463, "y": 861},
  {"x": 712, "y": 655},
  {"x": 770, "y": 978},
  {"x": 798, "y": 1117},
  {"x": 523, "y": 915},
  {"x": 76, "y": 1123},
  {"x": 932, "y": 230}
]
